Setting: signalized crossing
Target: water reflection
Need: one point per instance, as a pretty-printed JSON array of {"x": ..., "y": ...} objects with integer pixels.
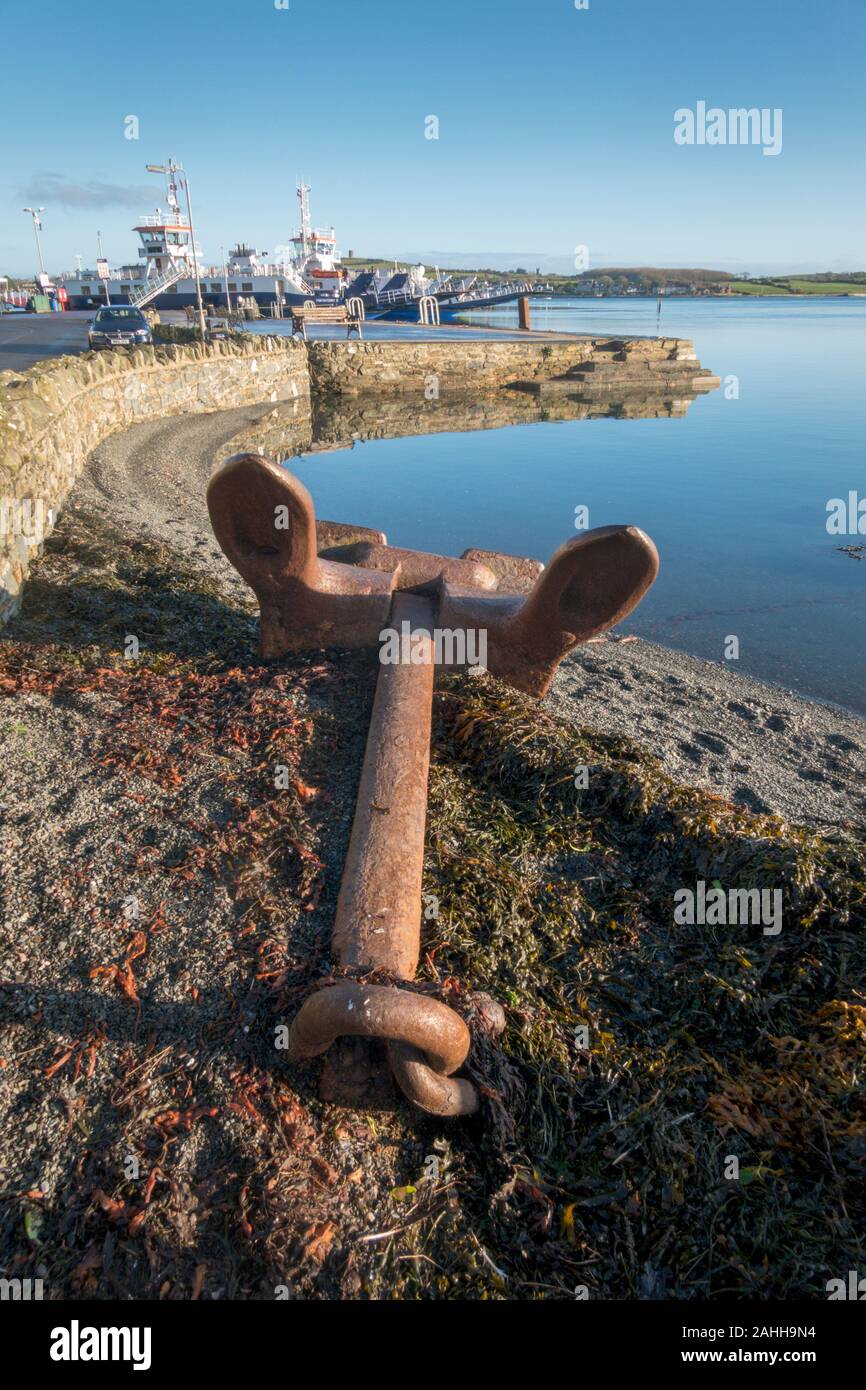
[
  {"x": 734, "y": 494},
  {"x": 338, "y": 423}
]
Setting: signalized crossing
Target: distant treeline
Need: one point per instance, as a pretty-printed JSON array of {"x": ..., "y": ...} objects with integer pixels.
[
  {"x": 830, "y": 277},
  {"x": 819, "y": 282},
  {"x": 654, "y": 275},
  {"x": 654, "y": 279}
]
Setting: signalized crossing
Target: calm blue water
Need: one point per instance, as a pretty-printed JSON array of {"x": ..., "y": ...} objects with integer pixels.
[{"x": 734, "y": 494}]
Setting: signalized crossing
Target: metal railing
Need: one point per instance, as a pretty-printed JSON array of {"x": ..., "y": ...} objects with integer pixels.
[
  {"x": 151, "y": 288},
  {"x": 171, "y": 219}
]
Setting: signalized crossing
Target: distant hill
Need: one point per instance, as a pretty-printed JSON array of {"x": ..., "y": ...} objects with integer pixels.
[
  {"x": 634, "y": 274},
  {"x": 611, "y": 279},
  {"x": 822, "y": 282},
  {"x": 643, "y": 279},
  {"x": 646, "y": 279}
]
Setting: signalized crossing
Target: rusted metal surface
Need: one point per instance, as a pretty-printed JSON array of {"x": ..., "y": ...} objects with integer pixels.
[
  {"x": 531, "y": 617},
  {"x": 364, "y": 1010},
  {"x": 413, "y": 568},
  {"x": 515, "y": 574},
  {"x": 378, "y": 920},
  {"x": 427, "y": 1088},
  {"x": 264, "y": 520},
  {"x": 590, "y": 584}
]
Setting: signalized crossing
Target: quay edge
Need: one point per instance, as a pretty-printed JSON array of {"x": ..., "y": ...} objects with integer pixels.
[{"x": 54, "y": 414}]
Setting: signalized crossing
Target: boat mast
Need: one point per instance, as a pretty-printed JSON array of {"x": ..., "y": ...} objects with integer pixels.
[
  {"x": 306, "y": 229},
  {"x": 171, "y": 169}
]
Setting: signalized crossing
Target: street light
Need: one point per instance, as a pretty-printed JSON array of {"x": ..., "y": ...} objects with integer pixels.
[
  {"x": 170, "y": 169},
  {"x": 34, "y": 213}
]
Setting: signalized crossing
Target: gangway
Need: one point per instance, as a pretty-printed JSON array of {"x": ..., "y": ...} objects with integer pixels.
[{"x": 156, "y": 284}]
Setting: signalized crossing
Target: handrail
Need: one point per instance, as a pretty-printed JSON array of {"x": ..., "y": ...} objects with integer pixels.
[
  {"x": 170, "y": 220},
  {"x": 155, "y": 286}
]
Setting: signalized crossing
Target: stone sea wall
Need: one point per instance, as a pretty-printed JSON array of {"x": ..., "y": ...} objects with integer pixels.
[
  {"x": 54, "y": 414},
  {"x": 478, "y": 364}
]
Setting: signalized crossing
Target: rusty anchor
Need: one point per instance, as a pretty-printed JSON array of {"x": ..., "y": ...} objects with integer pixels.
[{"x": 352, "y": 592}]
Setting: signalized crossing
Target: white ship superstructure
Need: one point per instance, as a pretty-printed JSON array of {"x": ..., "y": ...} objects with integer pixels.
[
  {"x": 316, "y": 254},
  {"x": 164, "y": 277}
]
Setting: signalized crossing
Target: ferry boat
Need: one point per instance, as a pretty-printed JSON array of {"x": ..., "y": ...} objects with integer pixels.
[{"x": 164, "y": 276}]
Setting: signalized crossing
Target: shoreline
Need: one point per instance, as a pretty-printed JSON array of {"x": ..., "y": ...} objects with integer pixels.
[
  {"x": 672, "y": 298},
  {"x": 168, "y": 901},
  {"x": 758, "y": 744}
]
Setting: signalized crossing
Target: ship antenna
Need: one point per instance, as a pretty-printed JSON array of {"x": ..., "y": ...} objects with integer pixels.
[
  {"x": 303, "y": 190},
  {"x": 171, "y": 186}
]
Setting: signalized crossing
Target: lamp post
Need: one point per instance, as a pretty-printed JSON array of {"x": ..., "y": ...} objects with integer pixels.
[
  {"x": 170, "y": 169},
  {"x": 34, "y": 213},
  {"x": 226, "y": 278}
]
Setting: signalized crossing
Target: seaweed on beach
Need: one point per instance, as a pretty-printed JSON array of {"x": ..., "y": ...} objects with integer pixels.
[
  {"x": 700, "y": 1042},
  {"x": 89, "y": 593},
  {"x": 640, "y": 1056}
]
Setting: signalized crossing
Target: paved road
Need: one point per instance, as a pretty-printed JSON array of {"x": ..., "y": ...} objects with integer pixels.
[
  {"x": 29, "y": 338},
  {"x": 381, "y": 330}
]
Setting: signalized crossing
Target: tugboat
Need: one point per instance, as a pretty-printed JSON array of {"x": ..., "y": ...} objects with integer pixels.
[{"x": 164, "y": 278}]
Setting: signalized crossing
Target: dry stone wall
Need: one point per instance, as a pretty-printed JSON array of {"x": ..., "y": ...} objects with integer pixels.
[
  {"x": 479, "y": 364},
  {"x": 55, "y": 413}
]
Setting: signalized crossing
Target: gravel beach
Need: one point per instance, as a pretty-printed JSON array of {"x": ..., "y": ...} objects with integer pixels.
[
  {"x": 165, "y": 910},
  {"x": 757, "y": 744}
]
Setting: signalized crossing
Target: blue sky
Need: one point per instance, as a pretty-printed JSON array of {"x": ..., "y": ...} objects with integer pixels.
[{"x": 555, "y": 127}]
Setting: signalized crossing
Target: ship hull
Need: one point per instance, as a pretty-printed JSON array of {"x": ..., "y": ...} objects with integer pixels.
[
  {"x": 89, "y": 293},
  {"x": 185, "y": 299}
]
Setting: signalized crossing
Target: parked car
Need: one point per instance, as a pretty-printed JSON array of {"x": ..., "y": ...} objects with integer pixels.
[
  {"x": 118, "y": 325},
  {"x": 7, "y": 308}
]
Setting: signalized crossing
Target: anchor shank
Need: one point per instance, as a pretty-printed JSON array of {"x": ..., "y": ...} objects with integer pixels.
[{"x": 378, "y": 919}]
